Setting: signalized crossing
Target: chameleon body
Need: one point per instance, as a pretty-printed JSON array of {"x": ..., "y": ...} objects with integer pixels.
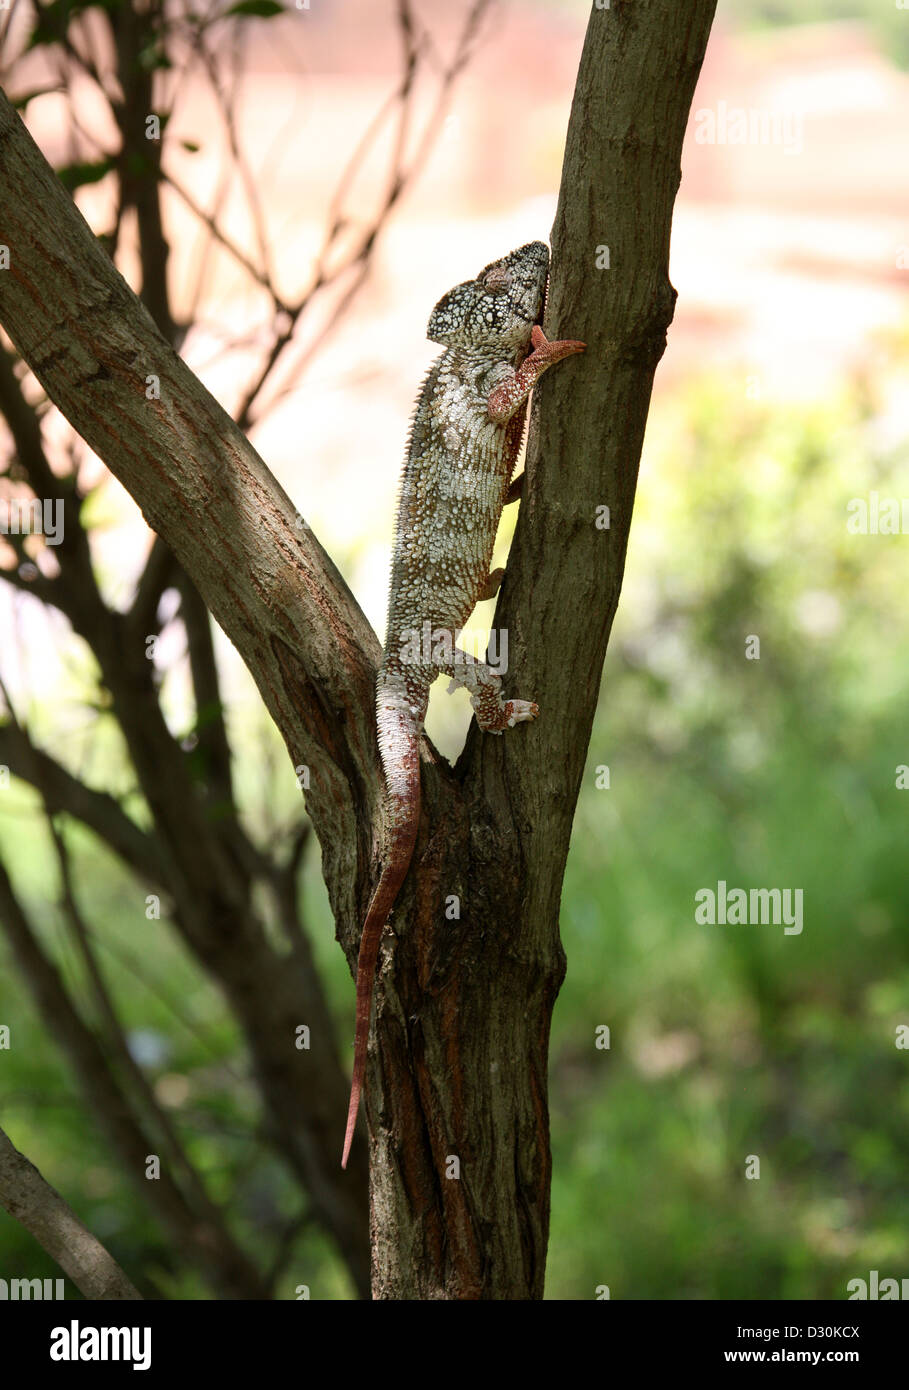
[{"x": 464, "y": 441}]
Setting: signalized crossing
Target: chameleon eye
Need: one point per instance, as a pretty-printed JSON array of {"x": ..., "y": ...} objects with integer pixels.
[{"x": 497, "y": 280}]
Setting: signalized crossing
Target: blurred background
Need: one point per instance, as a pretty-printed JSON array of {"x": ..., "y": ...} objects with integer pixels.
[{"x": 780, "y": 401}]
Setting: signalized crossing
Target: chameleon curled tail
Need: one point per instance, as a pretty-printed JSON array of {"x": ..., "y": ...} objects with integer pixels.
[{"x": 400, "y": 724}]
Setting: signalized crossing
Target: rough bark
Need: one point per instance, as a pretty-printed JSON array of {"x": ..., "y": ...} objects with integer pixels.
[{"x": 463, "y": 1008}]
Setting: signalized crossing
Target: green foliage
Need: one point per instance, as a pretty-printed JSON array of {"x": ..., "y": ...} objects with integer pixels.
[
  {"x": 888, "y": 24},
  {"x": 52, "y": 21},
  {"x": 183, "y": 1036},
  {"x": 154, "y": 56},
  {"x": 21, "y": 102},
  {"x": 74, "y": 176},
  {"x": 261, "y": 9},
  {"x": 728, "y": 1041}
]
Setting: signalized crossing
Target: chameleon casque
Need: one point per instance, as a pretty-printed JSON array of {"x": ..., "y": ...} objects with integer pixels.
[{"x": 464, "y": 441}]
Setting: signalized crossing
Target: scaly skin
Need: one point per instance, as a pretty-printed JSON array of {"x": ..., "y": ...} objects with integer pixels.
[{"x": 464, "y": 442}]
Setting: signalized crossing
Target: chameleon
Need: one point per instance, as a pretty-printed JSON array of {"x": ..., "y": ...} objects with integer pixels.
[{"x": 463, "y": 445}]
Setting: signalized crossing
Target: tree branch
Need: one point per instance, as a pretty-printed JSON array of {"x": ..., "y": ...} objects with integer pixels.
[
  {"x": 38, "y": 1207},
  {"x": 98, "y": 810}
]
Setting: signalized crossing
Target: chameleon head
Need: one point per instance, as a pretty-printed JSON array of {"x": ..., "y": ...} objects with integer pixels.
[{"x": 499, "y": 308}]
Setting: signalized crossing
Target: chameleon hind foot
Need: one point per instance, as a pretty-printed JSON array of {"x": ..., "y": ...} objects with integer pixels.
[
  {"x": 520, "y": 711},
  {"x": 495, "y": 715}
]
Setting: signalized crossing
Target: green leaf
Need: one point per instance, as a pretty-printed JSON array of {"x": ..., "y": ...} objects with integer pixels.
[
  {"x": 141, "y": 165},
  {"x": 263, "y": 9},
  {"x": 54, "y": 19},
  {"x": 207, "y": 714},
  {"x": 21, "y": 102},
  {"x": 154, "y": 56},
  {"x": 73, "y": 176}
]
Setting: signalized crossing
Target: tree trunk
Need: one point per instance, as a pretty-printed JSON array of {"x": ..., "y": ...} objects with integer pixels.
[{"x": 457, "y": 1077}]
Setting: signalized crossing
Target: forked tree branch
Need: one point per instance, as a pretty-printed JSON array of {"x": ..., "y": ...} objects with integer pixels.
[{"x": 202, "y": 487}]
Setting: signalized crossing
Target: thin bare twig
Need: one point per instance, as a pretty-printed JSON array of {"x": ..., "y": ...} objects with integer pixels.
[{"x": 401, "y": 175}]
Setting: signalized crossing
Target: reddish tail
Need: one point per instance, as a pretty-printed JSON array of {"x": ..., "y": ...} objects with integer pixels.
[{"x": 399, "y": 742}]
